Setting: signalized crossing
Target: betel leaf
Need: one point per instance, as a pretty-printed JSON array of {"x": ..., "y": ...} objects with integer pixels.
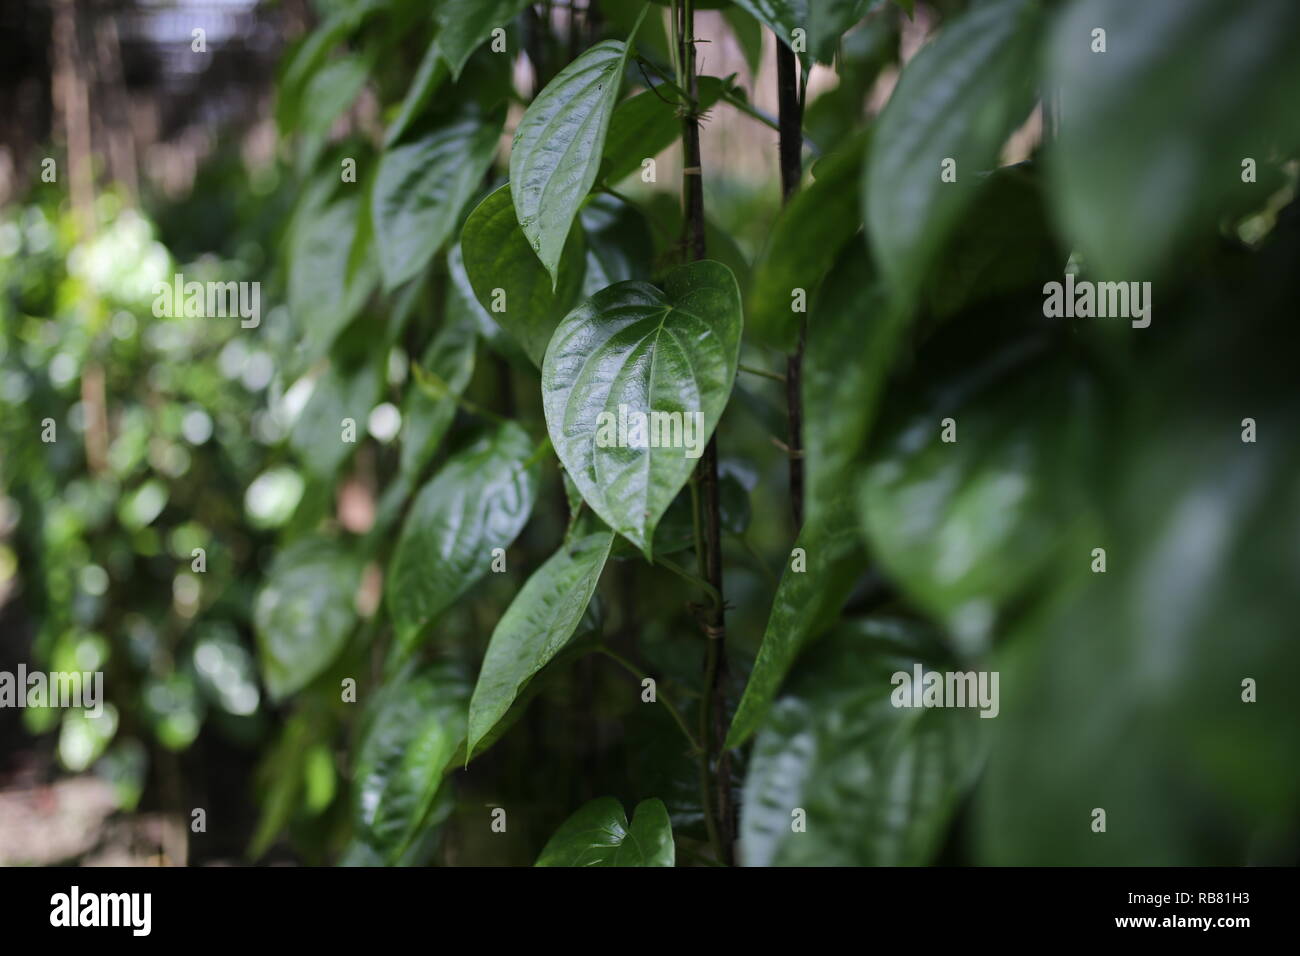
[
  {"x": 598, "y": 835},
  {"x": 807, "y": 234},
  {"x": 632, "y": 350},
  {"x": 428, "y": 77},
  {"x": 877, "y": 783},
  {"x": 1151, "y": 142},
  {"x": 408, "y": 742},
  {"x": 557, "y": 148},
  {"x": 422, "y": 186},
  {"x": 958, "y": 99},
  {"x": 818, "y": 577},
  {"x": 341, "y": 395},
  {"x": 327, "y": 286},
  {"x": 329, "y": 92},
  {"x": 646, "y": 124},
  {"x": 827, "y": 21},
  {"x": 480, "y": 500},
  {"x": 465, "y": 24},
  {"x": 537, "y": 625},
  {"x": 782, "y": 17},
  {"x": 304, "y": 613},
  {"x": 425, "y": 418},
  {"x": 509, "y": 282},
  {"x": 853, "y": 336},
  {"x": 619, "y": 244},
  {"x": 964, "y": 525}
]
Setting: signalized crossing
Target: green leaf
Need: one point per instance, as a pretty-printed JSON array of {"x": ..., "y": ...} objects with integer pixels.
[
  {"x": 808, "y": 233},
  {"x": 749, "y": 36},
  {"x": 619, "y": 245},
  {"x": 409, "y": 741},
  {"x": 330, "y": 92},
  {"x": 430, "y": 75},
  {"x": 853, "y": 337},
  {"x": 1151, "y": 143},
  {"x": 964, "y": 526},
  {"x": 646, "y": 124},
  {"x": 632, "y": 345},
  {"x": 959, "y": 99},
  {"x": 421, "y": 188},
  {"x": 425, "y": 419},
  {"x": 817, "y": 579},
  {"x": 877, "y": 782},
  {"x": 828, "y": 20},
  {"x": 497, "y": 255},
  {"x": 327, "y": 286},
  {"x": 537, "y": 625},
  {"x": 480, "y": 500},
  {"x": 304, "y": 613},
  {"x": 342, "y": 392},
  {"x": 557, "y": 149},
  {"x": 465, "y": 24},
  {"x": 598, "y": 835},
  {"x": 782, "y": 17}
]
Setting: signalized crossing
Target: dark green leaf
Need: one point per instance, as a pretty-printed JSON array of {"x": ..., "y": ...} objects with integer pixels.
[
  {"x": 598, "y": 835},
  {"x": 634, "y": 347},
  {"x": 304, "y": 613},
  {"x": 536, "y": 626},
  {"x": 646, "y": 124},
  {"x": 619, "y": 246},
  {"x": 465, "y": 24},
  {"x": 877, "y": 782},
  {"x": 327, "y": 287},
  {"x": 480, "y": 500},
  {"x": 958, "y": 99},
  {"x": 497, "y": 256},
  {"x": 328, "y": 94},
  {"x": 421, "y": 188},
  {"x": 557, "y": 149},
  {"x": 1151, "y": 140},
  {"x": 341, "y": 393},
  {"x": 431, "y": 74},
  {"x": 425, "y": 419}
]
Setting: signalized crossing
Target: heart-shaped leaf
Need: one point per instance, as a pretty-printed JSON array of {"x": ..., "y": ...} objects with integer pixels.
[
  {"x": 480, "y": 500},
  {"x": 304, "y": 613},
  {"x": 509, "y": 282},
  {"x": 633, "y": 385},
  {"x": 557, "y": 149},
  {"x": 956, "y": 103},
  {"x": 598, "y": 835},
  {"x": 421, "y": 188},
  {"x": 536, "y": 627}
]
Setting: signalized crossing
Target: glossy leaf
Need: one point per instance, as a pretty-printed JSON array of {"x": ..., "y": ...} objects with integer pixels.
[
  {"x": 304, "y": 613},
  {"x": 598, "y": 835},
  {"x": 465, "y": 24},
  {"x": 959, "y": 98},
  {"x": 409, "y": 740},
  {"x": 537, "y": 625},
  {"x": 422, "y": 186},
  {"x": 480, "y": 500},
  {"x": 1152, "y": 143},
  {"x": 807, "y": 601},
  {"x": 632, "y": 345},
  {"x": 557, "y": 149},
  {"x": 497, "y": 255},
  {"x": 808, "y": 233},
  {"x": 877, "y": 783}
]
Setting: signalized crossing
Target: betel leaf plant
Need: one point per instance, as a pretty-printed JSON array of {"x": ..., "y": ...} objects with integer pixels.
[{"x": 685, "y": 490}]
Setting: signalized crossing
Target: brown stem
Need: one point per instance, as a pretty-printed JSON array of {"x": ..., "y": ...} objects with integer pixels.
[
  {"x": 717, "y": 761},
  {"x": 790, "y": 121}
]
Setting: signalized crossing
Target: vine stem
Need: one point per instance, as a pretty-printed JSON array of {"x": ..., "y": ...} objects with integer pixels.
[
  {"x": 715, "y": 776},
  {"x": 668, "y": 704},
  {"x": 790, "y": 121}
]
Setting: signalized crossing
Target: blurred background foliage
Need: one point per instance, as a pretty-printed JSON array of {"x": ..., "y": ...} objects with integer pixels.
[{"x": 1119, "y": 690}]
